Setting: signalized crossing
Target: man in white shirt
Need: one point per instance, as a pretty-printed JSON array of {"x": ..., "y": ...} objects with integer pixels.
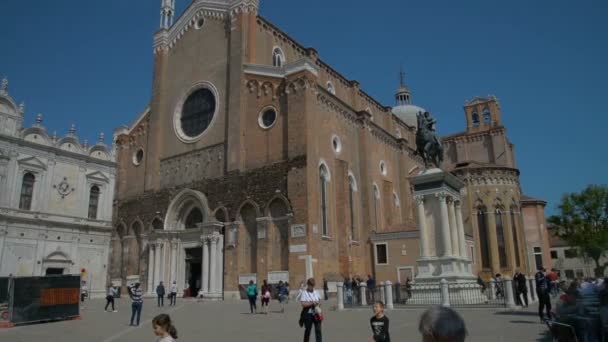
[
  {"x": 310, "y": 299},
  {"x": 172, "y": 293}
]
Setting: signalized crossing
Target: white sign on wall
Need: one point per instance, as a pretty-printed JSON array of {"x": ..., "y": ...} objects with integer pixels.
[
  {"x": 298, "y": 230},
  {"x": 297, "y": 248},
  {"x": 245, "y": 278},
  {"x": 276, "y": 277}
]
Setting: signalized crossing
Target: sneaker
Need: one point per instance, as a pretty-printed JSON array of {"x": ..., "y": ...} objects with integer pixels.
[{"x": 114, "y": 310}]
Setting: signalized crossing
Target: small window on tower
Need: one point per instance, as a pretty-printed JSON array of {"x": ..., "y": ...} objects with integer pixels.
[
  {"x": 475, "y": 119},
  {"x": 486, "y": 116}
]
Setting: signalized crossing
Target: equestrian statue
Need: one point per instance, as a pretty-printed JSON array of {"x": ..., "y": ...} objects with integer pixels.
[{"x": 428, "y": 145}]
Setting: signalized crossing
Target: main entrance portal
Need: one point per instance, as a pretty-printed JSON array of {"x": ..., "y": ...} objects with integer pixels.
[{"x": 194, "y": 259}]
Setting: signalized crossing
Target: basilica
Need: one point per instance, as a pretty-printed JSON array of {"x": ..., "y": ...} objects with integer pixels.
[{"x": 256, "y": 160}]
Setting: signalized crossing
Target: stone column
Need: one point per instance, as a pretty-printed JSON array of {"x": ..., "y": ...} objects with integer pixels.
[
  {"x": 460, "y": 226},
  {"x": 340, "y": 296},
  {"x": 388, "y": 289},
  {"x": 382, "y": 292},
  {"x": 445, "y": 226},
  {"x": 494, "y": 258},
  {"x": 158, "y": 246},
  {"x": 529, "y": 290},
  {"x": 509, "y": 297},
  {"x": 150, "y": 268},
  {"x": 424, "y": 247},
  {"x": 362, "y": 290},
  {"x": 445, "y": 293},
  {"x": 173, "y": 261},
  {"x": 213, "y": 263},
  {"x": 219, "y": 279},
  {"x": 453, "y": 228},
  {"x": 205, "y": 272}
]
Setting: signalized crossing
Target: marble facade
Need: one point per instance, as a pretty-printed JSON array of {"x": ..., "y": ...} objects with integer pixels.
[{"x": 55, "y": 200}]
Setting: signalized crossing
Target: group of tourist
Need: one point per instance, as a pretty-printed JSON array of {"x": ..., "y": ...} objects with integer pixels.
[
  {"x": 352, "y": 289},
  {"x": 282, "y": 294},
  {"x": 584, "y": 306},
  {"x": 438, "y": 324}
]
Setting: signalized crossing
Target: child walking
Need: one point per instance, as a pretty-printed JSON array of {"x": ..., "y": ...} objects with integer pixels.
[
  {"x": 163, "y": 328},
  {"x": 379, "y": 324}
]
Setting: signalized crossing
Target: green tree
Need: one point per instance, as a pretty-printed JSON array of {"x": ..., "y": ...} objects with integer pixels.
[{"x": 582, "y": 221}]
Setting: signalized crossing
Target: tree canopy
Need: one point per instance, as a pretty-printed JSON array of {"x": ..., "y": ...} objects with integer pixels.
[{"x": 582, "y": 221}]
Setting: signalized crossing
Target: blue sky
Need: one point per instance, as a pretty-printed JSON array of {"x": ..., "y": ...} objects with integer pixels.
[{"x": 90, "y": 63}]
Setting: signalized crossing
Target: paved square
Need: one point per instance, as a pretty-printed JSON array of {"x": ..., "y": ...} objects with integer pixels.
[{"x": 231, "y": 321}]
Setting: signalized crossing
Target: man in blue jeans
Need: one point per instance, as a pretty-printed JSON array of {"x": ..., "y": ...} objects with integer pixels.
[{"x": 136, "y": 302}]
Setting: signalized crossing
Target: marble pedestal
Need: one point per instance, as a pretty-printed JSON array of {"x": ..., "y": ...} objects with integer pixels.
[{"x": 443, "y": 249}]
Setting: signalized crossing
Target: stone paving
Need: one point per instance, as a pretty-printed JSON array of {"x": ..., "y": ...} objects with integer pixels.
[{"x": 231, "y": 321}]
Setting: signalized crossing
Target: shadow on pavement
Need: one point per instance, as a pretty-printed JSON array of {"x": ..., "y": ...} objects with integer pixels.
[{"x": 517, "y": 313}]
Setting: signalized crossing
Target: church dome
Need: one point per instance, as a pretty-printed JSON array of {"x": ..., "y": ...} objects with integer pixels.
[
  {"x": 407, "y": 113},
  {"x": 404, "y": 109}
]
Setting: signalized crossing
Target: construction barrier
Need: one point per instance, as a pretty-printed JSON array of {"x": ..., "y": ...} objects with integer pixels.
[{"x": 39, "y": 299}]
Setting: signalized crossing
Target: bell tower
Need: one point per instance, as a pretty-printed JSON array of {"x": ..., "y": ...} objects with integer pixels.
[
  {"x": 482, "y": 114},
  {"x": 167, "y": 12}
]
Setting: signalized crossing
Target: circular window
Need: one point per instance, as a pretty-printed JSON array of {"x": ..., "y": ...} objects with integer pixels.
[
  {"x": 195, "y": 113},
  {"x": 268, "y": 117},
  {"x": 199, "y": 23},
  {"x": 336, "y": 144},
  {"x": 383, "y": 168},
  {"x": 138, "y": 156}
]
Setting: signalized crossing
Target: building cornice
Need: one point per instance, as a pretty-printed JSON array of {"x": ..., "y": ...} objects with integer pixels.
[
  {"x": 57, "y": 151},
  {"x": 401, "y": 235},
  {"x": 53, "y": 220}
]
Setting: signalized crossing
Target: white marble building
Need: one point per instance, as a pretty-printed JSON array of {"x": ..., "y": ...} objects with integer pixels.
[{"x": 55, "y": 200}]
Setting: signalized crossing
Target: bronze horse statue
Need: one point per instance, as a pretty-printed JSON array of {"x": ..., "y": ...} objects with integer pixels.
[{"x": 428, "y": 145}]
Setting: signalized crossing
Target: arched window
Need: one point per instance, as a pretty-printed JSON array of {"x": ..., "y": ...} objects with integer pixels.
[
  {"x": 194, "y": 218},
  {"x": 352, "y": 187},
  {"x": 486, "y": 116},
  {"x": 475, "y": 119},
  {"x": 376, "y": 206},
  {"x": 278, "y": 58},
  {"x": 93, "y": 201},
  {"x": 323, "y": 179},
  {"x": 515, "y": 239},
  {"x": 27, "y": 191},
  {"x": 500, "y": 236},
  {"x": 484, "y": 243}
]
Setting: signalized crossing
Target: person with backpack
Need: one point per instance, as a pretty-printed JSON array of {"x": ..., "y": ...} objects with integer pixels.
[
  {"x": 252, "y": 294},
  {"x": 283, "y": 294},
  {"x": 542, "y": 291},
  {"x": 265, "y": 297}
]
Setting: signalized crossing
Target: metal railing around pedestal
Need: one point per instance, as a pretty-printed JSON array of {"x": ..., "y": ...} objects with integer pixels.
[{"x": 473, "y": 294}]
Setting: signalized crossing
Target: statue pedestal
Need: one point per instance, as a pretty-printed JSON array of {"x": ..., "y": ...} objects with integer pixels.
[{"x": 443, "y": 249}]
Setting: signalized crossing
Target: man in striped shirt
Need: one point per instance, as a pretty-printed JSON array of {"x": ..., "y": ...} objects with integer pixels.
[{"x": 136, "y": 302}]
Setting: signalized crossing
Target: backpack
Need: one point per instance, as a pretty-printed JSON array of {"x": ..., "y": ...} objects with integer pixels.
[{"x": 252, "y": 290}]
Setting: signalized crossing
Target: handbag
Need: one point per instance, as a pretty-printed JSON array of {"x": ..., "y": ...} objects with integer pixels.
[{"x": 318, "y": 315}]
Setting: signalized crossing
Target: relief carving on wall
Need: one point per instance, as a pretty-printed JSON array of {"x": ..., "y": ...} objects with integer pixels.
[
  {"x": 64, "y": 188},
  {"x": 192, "y": 166}
]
